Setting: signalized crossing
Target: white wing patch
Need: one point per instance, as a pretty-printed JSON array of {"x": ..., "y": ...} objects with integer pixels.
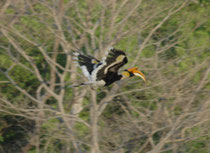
[
  {"x": 106, "y": 54},
  {"x": 75, "y": 58},
  {"x": 85, "y": 72},
  {"x": 76, "y": 54},
  {"x": 95, "y": 71},
  {"x": 110, "y": 48}
]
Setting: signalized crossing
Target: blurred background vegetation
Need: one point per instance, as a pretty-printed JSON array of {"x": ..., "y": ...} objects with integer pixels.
[{"x": 168, "y": 40}]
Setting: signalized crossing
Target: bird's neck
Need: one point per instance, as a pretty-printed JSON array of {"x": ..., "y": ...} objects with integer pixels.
[{"x": 125, "y": 75}]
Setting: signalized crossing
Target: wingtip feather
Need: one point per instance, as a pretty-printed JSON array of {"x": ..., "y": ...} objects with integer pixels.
[
  {"x": 75, "y": 58},
  {"x": 76, "y": 53},
  {"x": 110, "y": 48}
]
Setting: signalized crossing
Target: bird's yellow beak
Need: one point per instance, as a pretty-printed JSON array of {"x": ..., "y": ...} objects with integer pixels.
[{"x": 138, "y": 73}]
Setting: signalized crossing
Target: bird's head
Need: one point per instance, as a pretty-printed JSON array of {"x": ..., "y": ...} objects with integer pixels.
[{"x": 133, "y": 72}]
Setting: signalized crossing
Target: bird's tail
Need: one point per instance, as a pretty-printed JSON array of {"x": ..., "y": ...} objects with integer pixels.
[{"x": 80, "y": 84}]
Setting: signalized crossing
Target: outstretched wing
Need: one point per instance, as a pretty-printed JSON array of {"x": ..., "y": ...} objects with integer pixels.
[
  {"x": 114, "y": 60},
  {"x": 87, "y": 63}
]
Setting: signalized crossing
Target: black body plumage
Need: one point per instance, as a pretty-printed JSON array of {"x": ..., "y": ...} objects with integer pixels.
[{"x": 111, "y": 77}]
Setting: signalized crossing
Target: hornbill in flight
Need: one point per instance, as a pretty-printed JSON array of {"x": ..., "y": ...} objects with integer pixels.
[{"x": 105, "y": 72}]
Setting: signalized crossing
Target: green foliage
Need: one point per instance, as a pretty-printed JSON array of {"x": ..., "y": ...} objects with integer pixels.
[
  {"x": 148, "y": 52},
  {"x": 38, "y": 25},
  {"x": 1, "y": 139},
  {"x": 82, "y": 130},
  {"x": 50, "y": 124},
  {"x": 32, "y": 151},
  {"x": 199, "y": 145},
  {"x": 5, "y": 61}
]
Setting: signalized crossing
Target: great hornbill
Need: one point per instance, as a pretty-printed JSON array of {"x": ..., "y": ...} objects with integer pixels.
[{"x": 105, "y": 72}]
